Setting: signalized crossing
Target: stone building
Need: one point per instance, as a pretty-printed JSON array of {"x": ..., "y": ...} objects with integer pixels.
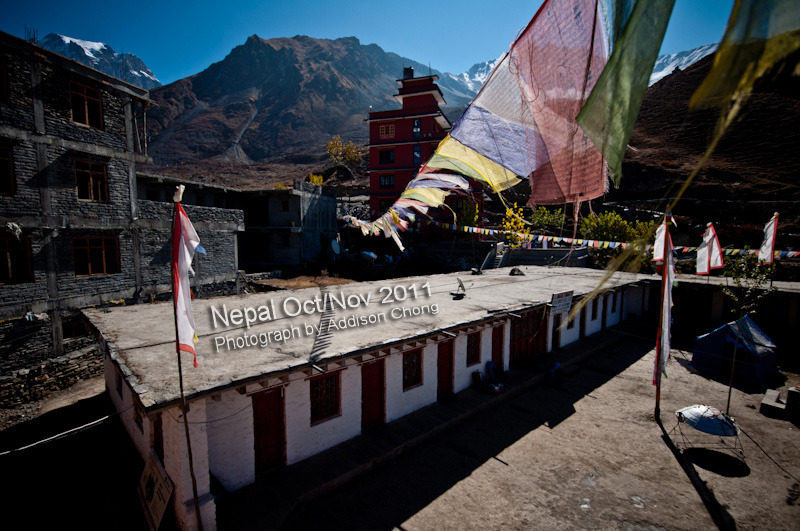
[
  {"x": 73, "y": 231},
  {"x": 284, "y": 376}
]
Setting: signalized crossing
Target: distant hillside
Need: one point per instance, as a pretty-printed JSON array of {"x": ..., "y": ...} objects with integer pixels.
[
  {"x": 102, "y": 57},
  {"x": 752, "y": 173}
]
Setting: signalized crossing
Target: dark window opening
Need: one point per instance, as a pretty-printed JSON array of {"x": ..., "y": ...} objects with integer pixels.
[
  {"x": 16, "y": 266},
  {"x": 417, "y": 154},
  {"x": 91, "y": 181},
  {"x": 412, "y": 369},
  {"x": 86, "y": 104},
  {"x": 386, "y": 156},
  {"x": 595, "y": 305},
  {"x": 75, "y": 326},
  {"x": 7, "y": 186},
  {"x": 284, "y": 205},
  {"x": 473, "y": 349},
  {"x": 325, "y": 397},
  {"x": 387, "y": 181},
  {"x": 96, "y": 256},
  {"x": 613, "y": 302},
  {"x": 4, "y": 92},
  {"x": 417, "y": 128}
]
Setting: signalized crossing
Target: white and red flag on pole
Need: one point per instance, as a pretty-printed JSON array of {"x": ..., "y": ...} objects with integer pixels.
[
  {"x": 658, "y": 246},
  {"x": 663, "y": 341},
  {"x": 709, "y": 254},
  {"x": 184, "y": 244},
  {"x": 767, "y": 251}
]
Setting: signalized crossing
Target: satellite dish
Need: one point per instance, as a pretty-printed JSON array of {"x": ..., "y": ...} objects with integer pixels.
[{"x": 335, "y": 247}]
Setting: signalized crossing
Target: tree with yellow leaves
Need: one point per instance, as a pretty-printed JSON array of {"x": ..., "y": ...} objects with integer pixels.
[{"x": 517, "y": 231}]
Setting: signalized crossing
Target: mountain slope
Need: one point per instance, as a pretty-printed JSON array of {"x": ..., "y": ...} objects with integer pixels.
[
  {"x": 102, "y": 57},
  {"x": 279, "y": 97}
]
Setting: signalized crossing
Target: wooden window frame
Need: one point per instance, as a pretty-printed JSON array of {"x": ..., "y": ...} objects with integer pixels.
[
  {"x": 473, "y": 349},
  {"x": 7, "y": 187},
  {"x": 86, "y": 105},
  {"x": 96, "y": 181},
  {"x": 389, "y": 181},
  {"x": 386, "y": 131},
  {"x": 318, "y": 391},
  {"x": 412, "y": 369},
  {"x": 17, "y": 260},
  {"x": 89, "y": 243}
]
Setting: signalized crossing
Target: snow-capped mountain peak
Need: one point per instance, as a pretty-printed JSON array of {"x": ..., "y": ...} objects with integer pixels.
[
  {"x": 89, "y": 47},
  {"x": 666, "y": 64},
  {"x": 102, "y": 57}
]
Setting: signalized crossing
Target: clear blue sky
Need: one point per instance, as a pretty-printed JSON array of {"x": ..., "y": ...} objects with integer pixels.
[{"x": 181, "y": 38}]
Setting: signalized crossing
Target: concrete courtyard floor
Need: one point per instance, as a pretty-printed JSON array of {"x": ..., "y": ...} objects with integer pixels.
[{"x": 583, "y": 454}]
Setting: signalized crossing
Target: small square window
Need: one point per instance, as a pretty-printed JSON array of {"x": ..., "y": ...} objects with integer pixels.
[
  {"x": 417, "y": 154},
  {"x": 386, "y": 131},
  {"x": 96, "y": 256},
  {"x": 91, "y": 181},
  {"x": 7, "y": 182},
  {"x": 86, "y": 105},
  {"x": 15, "y": 261},
  {"x": 412, "y": 368},
  {"x": 473, "y": 349},
  {"x": 386, "y": 156},
  {"x": 387, "y": 181},
  {"x": 325, "y": 397}
]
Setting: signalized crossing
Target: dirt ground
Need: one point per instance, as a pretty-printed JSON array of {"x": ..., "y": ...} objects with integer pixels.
[
  {"x": 302, "y": 282},
  {"x": 586, "y": 454}
]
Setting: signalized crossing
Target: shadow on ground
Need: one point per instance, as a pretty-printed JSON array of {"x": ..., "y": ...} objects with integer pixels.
[
  {"x": 87, "y": 480},
  {"x": 390, "y": 494}
]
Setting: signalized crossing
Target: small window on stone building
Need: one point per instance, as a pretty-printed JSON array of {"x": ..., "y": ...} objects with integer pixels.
[
  {"x": 473, "y": 349},
  {"x": 95, "y": 256},
  {"x": 412, "y": 368},
  {"x": 386, "y": 131},
  {"x": 386, "y": 156},
  {"x": 387, "y": 181},
  {"x": 7, "y": 185},
  {"x": 86, "y": 104},
  {"x": 325, "y": 397},
  {"x": 91, "y": 181},
  {"x": 15, "y": 255},
  {"x": 74, "y": 326},
  {"x": 417, "y": 154},
  {"x": 417, "y": 129}
]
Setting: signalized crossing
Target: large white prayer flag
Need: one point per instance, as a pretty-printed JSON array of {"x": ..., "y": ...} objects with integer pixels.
[
  {"x": 658, "y": 246},
  {"x": 709, "y": 254},
  {"x": 767, "y": 251},
  {"x": 184, "y": 243},
  {"x": 663, "y": 341}
]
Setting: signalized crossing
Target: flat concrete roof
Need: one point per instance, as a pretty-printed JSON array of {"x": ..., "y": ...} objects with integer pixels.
[{"x": 142, "y": 337}]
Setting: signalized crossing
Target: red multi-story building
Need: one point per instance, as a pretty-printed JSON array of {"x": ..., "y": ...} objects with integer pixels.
[{"x": 401, "y": 140}]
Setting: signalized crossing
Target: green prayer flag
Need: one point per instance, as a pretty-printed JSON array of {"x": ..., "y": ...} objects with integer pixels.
[{"x": 610, "y": 112}]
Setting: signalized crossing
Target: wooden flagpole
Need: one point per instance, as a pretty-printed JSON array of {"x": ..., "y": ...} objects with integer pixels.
[{"x": 177, "y": 199}]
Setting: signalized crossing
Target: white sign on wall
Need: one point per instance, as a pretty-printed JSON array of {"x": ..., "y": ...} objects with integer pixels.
[{"x": 561, "y": 302}]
